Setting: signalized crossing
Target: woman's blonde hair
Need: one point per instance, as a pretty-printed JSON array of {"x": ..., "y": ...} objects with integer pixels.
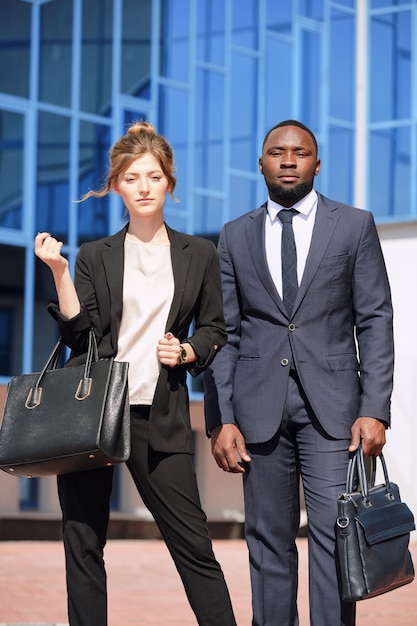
[{"x": 141, "y": 138}]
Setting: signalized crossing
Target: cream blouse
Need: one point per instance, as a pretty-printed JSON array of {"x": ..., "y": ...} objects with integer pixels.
[{"x": 148, "y": 290}]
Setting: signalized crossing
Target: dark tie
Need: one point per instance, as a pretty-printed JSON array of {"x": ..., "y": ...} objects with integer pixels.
[{"x": 288, "y": 259}]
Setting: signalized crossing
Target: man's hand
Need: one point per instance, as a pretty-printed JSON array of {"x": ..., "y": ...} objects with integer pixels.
[
  {"x": 371, "y": 433},
  {"x": 228, "y": 448}
]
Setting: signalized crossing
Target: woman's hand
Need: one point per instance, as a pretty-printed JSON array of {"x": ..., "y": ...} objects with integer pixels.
[
  {"x": 169, "y": 350},
  {"x": 48, "y": 250}
]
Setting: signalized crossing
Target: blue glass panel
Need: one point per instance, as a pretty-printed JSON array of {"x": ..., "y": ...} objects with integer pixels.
[
  {"x": 93, "y": 214},
  {"x": 390, "y": 74},
  {"x": 28, "y": 494},
  {"x": 11, "y": 169},
  {"x": 208, "y": 214},
  {"x": 243, "y": 196},
  {"x": 342, "y": 66},
  {"x": 279, "y": 16},
  {"x": 96, "y": 56},
  {"x": 243, "y": 105},
  {"x": 278, "y": 70},
  {"x": 245, "y": 23},
  {"x": 6, "y": 319},
  {"x": 310, "y": 80},
  {"x": 56, "y": 49},
  {"x": 390, "y": 172},
  {"x": 210, "y": 31},
  {"x": 136, "y": 47},
  {"x": 312, "y": 9},
  {"x": 174, "y": 111},
  {"x": 52, "y": 193},
  {"x": 15, "y": 47},
  {"x": 209, "y": 131},
  {"x": 380, "y": 4},
  {"x": 175, "y": 37},
  {"x": 173, "y": 123},
  {"x": 174, "y": 217},
  {"x": 339, "y": 165},
  {"x": 115, "y": 492}
]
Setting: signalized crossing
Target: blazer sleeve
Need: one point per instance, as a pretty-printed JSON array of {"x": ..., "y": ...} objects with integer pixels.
[
  {"x": 209, "y": 333},
  {"x": 374, "y": 325},
  {"x": 218, "y": 379},
  {"x": 74, "y": 331}
]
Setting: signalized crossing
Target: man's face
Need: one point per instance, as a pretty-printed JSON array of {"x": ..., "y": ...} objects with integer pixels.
[{"x": 289, "y": 164}]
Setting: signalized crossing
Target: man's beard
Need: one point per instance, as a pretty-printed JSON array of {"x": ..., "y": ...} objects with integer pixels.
[{"x": 289, "y": 197}]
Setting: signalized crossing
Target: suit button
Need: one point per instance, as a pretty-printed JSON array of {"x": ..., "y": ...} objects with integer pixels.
[
  {"x": 284, "y": 362},
  {"x": 291, "y": 327}
]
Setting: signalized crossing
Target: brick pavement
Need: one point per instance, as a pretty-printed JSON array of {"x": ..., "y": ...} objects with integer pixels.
[{"x": 145, "y": 590}]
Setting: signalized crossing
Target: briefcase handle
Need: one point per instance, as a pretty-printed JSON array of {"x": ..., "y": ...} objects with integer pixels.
[
  {"x": 357, "y": 471},
  {"x": 84, "y": 387}
]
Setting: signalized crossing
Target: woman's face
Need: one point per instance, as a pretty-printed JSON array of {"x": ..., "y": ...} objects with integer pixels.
[{"x": 143, "y": 187}]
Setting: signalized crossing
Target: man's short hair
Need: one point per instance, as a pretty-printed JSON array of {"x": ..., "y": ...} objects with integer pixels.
[{"x": 292, "y": 123}]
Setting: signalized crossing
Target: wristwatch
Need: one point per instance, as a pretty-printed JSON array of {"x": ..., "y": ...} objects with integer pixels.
[{"x": 183, "y": 356}]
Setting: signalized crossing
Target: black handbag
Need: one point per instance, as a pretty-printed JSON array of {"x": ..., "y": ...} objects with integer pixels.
[
  {"x": 66, "y": 420},
  {"x": 372, "y": 534}
]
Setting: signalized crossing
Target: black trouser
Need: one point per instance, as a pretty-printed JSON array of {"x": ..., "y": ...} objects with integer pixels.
[{"x": 168, "y": 487}]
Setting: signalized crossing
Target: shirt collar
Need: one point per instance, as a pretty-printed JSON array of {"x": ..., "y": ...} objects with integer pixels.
[{"x": 304, "y": 206}]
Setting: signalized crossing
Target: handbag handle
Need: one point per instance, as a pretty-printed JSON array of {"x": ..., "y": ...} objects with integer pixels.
[
  {"x": 357, "y": 468},
  {"x": 84, "y": 387}
]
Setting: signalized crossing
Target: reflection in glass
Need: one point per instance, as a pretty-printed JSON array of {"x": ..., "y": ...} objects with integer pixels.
[
  {"x": 96, "y": 50},
  {"x": 15, "y": 47},
  {"x": 391, "y": 51},
  {"x": 6, "y": 317},
  {"x": 209, "y": 129},
  {"x": 312, "y": 9},
  {"x": 52, "y": 193},
  {"x": 208, "y": 215},
  {"x": 136, "y": 47},
  {"x": 245, "y": 23},
  {"x": 278, "y": 69},
  {"x": 342, "y": 66},
  {"x": 340, "y": 153},
  {"x": 243, "y": 121},
  {"x": 11, "y": 169},
  {"x": 390, "y": 172},
  {"x": 176, "y": 40},
  {"x": 12, "y": 284},
  {"x": 93, "y": 214},
  {"x": 243, "y": 195},
  {"x": 310, "y": 95},
  {"x": 55, "y": 53},
  {"x": 210, "y": 31},
  {"x": 279, "y": 16},
  {"x": 173, "y": 118}
]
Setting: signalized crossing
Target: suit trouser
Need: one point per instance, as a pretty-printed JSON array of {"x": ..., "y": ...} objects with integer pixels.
[
  {"x": 168, "y": 487},
  {"x": 271, "y": 488}
]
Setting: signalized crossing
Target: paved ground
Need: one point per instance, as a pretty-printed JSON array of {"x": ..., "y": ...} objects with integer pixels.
[{"x": 144, "y": 588}]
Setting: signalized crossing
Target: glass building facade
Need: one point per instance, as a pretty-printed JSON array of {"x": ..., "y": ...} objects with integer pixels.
[{"x": 213, "y": 76}]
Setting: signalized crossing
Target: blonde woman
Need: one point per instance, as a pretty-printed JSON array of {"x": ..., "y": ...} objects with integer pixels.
[{"x": 140, "y": 290}]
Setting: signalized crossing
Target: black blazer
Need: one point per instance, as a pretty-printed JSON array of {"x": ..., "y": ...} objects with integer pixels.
[{"x": 197, "y": 298}]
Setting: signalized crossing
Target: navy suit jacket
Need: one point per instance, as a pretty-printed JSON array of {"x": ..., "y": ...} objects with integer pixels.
[
  {"x": 339, "y": 335},
  {"x": 197, "y": 299}
]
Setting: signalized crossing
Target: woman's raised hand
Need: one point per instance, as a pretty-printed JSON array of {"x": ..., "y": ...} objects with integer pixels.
[{"x": 48, "y": 249}]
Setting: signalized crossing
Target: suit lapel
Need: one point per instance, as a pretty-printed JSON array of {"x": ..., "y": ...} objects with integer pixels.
[
  {"x": 324, "y": 225},
  {"x": 113, "y": 261},
  {"x": 255, "y": 234},
  {"x": 181, "y": 261}
]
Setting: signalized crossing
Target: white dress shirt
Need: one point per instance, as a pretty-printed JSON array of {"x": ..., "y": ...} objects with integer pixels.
[{"x": 303, "y": 228}]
